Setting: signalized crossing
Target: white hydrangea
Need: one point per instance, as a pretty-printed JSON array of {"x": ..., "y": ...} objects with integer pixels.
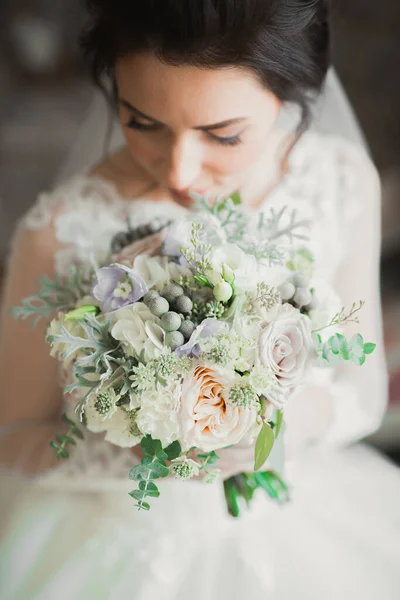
[{"x": 159, "y": 413}]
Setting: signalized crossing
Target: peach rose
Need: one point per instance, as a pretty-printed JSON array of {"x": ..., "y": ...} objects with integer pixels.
[{"x": 208, "y": 422}]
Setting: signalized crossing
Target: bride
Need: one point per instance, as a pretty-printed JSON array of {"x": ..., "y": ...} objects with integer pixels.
[{"x": 199, "y": 86}]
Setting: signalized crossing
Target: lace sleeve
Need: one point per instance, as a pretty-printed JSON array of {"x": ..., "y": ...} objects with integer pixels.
[
  {"x": 66, "y": 225},
  {"x": 351, "y": 401},
  {"x": 30, "y": 396}
]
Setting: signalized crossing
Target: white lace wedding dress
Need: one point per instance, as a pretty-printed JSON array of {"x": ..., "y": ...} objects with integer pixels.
[{"x": 73, "y": 533}]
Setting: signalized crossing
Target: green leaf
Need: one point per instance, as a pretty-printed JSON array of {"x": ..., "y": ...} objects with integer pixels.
[
  {"x": 173, "y": 450},
  {"x": 81, "y": 312},
  {"x": 138, "y": 472},
  {"x": 369, "y": 348},
  {"x": 275, "y": 487},
  {"x": 68, "y": 421},
  {"x": 358, "y": 360},
  {"x": 156, "y": 470},
  {"x": 357, "y": 341},
  {"x": 210, "y": 457},
  {"x": 78, "y": 433},
  {"x": 138, "y": 494},
  {"x": 279, "y": 419},
  {"x": 143, "y": 506},
  {"x": 344, "y": 349},
  {"x": 202, "y": 280},
  {"x": 334, "y": 344},
  {"x": 150, "y": 446},
  {"x": 236, "y": 199},
  {"x": 264, "y": 444},
  {"x": 150, "y": 488},
  {"x": 231, "y": 496}
]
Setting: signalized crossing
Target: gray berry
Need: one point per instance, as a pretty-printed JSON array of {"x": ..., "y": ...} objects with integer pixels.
[
  {"x": 184, "y": 304},
  {"x": 171, "y": 321},
  {"x": 159, "y": 306},
  {"x": 287, "y": 291},
  {"x": 174, "y": 339},
  {"x": 301, "y": 280},
  {"x": 150, "y": 296},
  {"x": 172, "y": 291},
  {"x": 187, "y": 329},
  {"x": 302, "y": 297}
]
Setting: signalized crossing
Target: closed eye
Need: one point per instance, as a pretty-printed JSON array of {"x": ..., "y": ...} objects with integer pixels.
[
  {"x": 233, "y": 140},
  {"x": 133, "y": 123}
]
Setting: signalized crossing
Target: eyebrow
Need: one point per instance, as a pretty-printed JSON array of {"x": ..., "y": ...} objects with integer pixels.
[{"x": 212, "y": 127}]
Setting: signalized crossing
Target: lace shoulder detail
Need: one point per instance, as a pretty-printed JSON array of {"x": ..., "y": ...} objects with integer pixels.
[
  {"x": 85, "y": 213},
  {"x": 325, "y": 185}
]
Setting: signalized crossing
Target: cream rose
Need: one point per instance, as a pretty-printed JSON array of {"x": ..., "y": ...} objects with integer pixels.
[
  {"x": 159, "y": 414},
  {"x": 285, "y": 347},
  {"x": 208, "y": 422}
]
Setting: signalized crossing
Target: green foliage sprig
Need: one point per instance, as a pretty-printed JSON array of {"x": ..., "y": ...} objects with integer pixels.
[
  {"x": 338, "y": 348},
  {"x": 63, "y": 440},
  {"x": 153, "y": 466},
  {"x": 58, "y": 295},
  {"x": 343, "y": 317}
]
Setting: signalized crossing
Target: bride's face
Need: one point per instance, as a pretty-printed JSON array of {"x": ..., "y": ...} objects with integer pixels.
[{"x": 192, "y": 129}]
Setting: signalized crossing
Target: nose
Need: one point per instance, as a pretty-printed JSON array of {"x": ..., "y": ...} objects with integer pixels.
[{"x": 184, "y": 163}]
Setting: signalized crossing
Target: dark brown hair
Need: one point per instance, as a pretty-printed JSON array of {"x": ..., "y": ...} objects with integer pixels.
[{"x": 285, "y": 42}]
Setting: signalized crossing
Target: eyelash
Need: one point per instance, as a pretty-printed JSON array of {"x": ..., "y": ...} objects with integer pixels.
[{"x": 229, "y": 141}]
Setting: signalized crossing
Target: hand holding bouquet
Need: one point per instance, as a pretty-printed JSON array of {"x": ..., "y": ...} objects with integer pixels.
[{"x": 190, "y": 339}]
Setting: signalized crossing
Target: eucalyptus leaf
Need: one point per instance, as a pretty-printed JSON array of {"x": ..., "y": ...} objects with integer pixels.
[
  {"x": 156, "y": 470},
  {"x": 144, "y": 505},
  {"x": 150, "y": 447},
  {"x": 369, "y": 348},
  {"x": 173, "y": 450},
  {"x": 138, "y": 494},
  {"x": 264, "y": 444}
]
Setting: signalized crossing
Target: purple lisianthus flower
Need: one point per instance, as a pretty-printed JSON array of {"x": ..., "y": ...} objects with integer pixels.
[
  {"x": 118, "y": 286},
  {"x": 208, "y": 327}
]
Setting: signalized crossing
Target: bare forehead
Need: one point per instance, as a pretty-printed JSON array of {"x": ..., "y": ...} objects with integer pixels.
[{"x": 186, "y": 93}]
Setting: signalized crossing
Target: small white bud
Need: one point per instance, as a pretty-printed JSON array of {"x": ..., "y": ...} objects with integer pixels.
[
  {"x": 287, "y": 291},
  {"x": 223, "y": 291},
  {"x": 302, "y": 297},
  {"x": 228, "y": 273}
]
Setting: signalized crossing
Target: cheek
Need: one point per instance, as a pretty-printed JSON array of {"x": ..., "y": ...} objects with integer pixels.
[{"x": 144, "y": 148}]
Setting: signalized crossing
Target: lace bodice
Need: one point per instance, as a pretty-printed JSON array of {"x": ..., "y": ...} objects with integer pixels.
[{"x": 330, "y": 183}]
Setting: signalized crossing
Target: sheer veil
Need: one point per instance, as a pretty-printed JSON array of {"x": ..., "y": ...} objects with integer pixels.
[{"x": 100, "y": 132}]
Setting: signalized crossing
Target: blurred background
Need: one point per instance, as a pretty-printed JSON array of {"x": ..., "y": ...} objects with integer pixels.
[{"x": 46, "y": 92}]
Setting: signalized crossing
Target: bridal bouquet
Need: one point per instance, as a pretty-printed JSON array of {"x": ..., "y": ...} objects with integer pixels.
[{"x": 190, "y": 338}]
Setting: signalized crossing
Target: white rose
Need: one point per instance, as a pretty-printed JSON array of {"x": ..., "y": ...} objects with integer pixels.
[
  {"x": 285, "y": 347},
  {"x": 138, "y": 329},
  {"x": 209, "y": 422},
  {"x": 159, "y": 414}
]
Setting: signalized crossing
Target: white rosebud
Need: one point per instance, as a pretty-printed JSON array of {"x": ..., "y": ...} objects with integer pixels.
[
  {"x": 302, "y": 297},
  {"x": 287, "y": 291},
  {"x": 223, "y": 291},
  {"x": 301, "y": 280},
  {"x": 227, "y": 273}
]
